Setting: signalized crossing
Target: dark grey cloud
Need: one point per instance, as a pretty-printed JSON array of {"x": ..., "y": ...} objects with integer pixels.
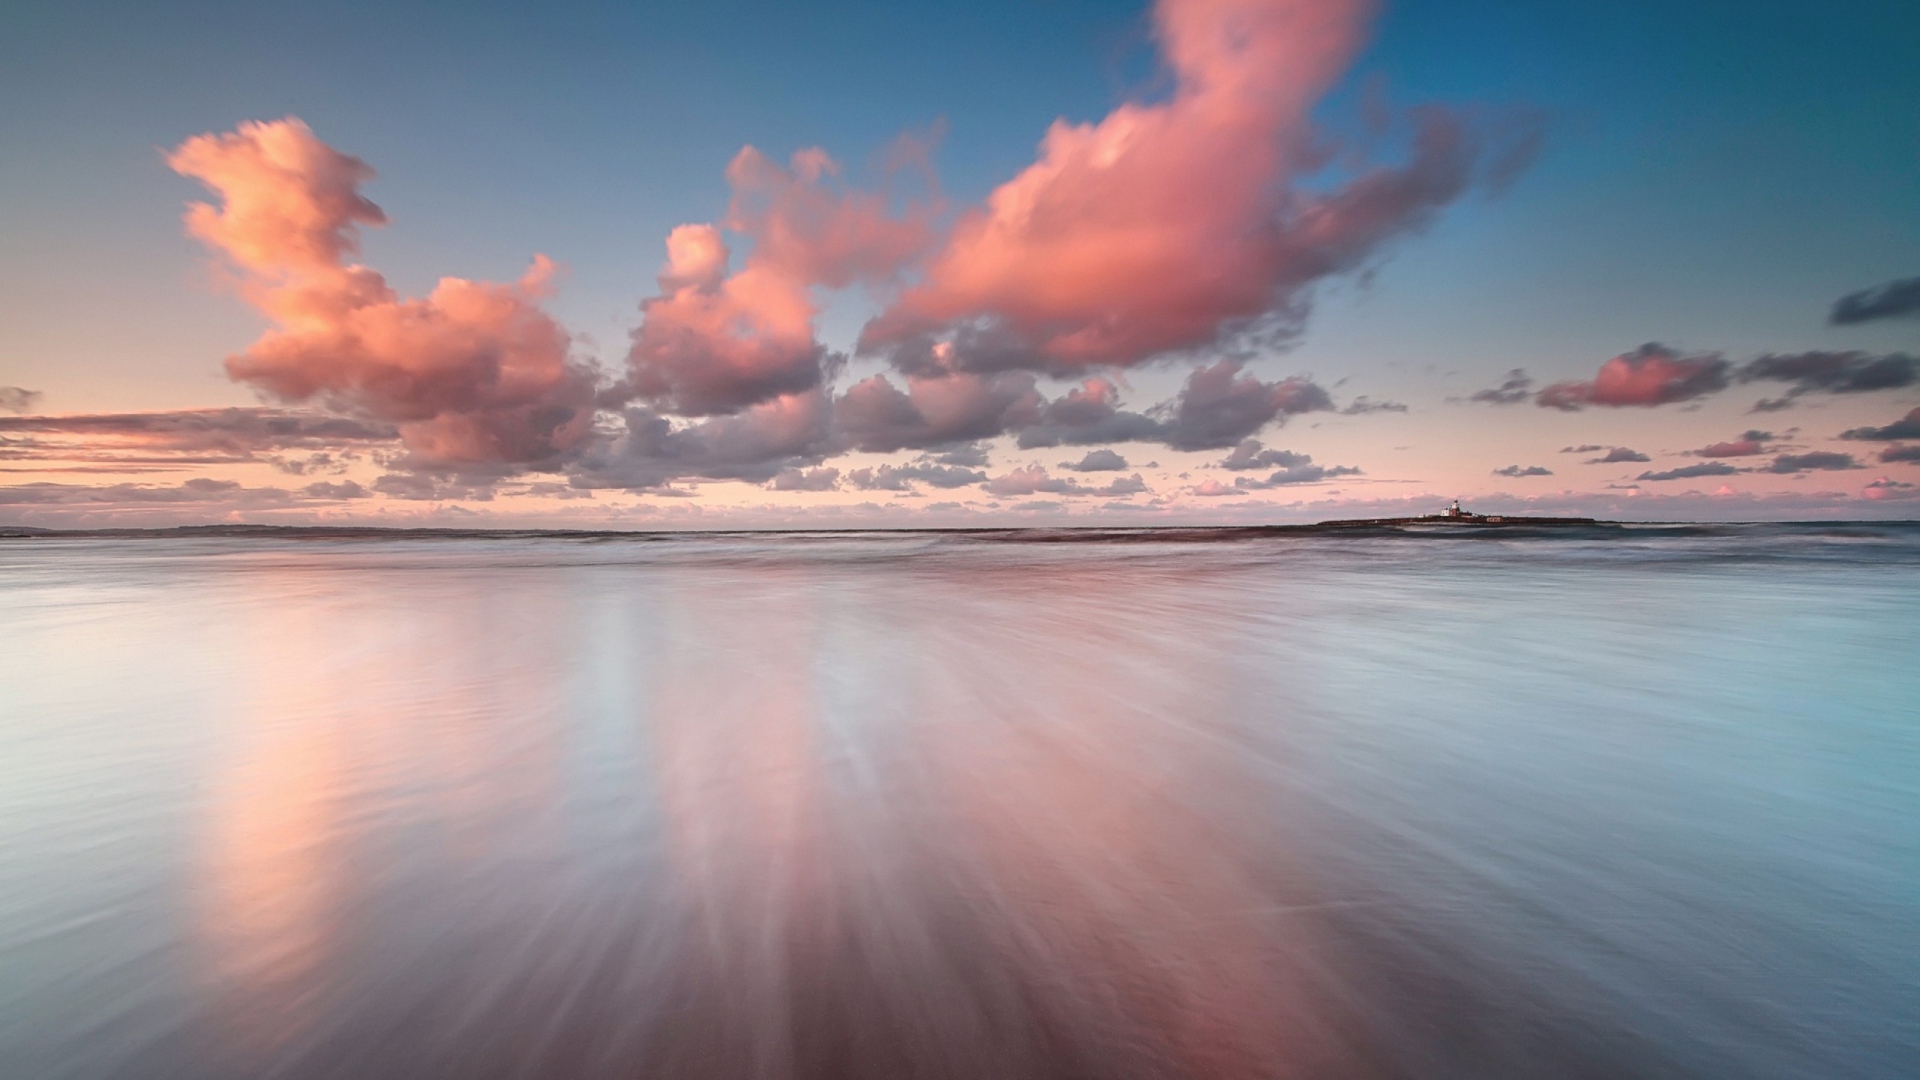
[
  {"x": 1907, "y": 427},
  {"x": 972, "y": 455},
  {"x": 1102, "y": 460},
  {"x": 1219, "y": 406},
  {"x": 1690, "y": 472},
  {"x": 935, "y": 411},
  {"x": 1517, "y": 388},
  {"x": 1900, "y": 453},
  {"x": 1294, "y": 469},
  {"x": 755, "y": 445},
  {"x": 1617, "y": 455},
  {"x": 1829, "y": 372},
  {"x": 1087, "y": 415},
  {"x": 1889, "y": 301},
  {"x": 1585, "y": 448},
  {"x": 1749, "y": 444},
  {"x": 1523, "y": 470},
  {"x": 1817, "y": 460},
  {"x": 1363, "y": 404},
  {"x": 16, "y": 399}
]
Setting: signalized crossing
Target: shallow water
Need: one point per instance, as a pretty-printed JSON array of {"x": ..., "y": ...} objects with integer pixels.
[{"x": 1636, "y": 803}]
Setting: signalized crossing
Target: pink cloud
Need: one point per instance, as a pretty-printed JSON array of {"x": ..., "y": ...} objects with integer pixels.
[
  {"x": 475, "y": 373},
  {"x": 1650, "y": 375},
  {"x": 711, "y": 343},
  {"x": 1166, "y": 226}
]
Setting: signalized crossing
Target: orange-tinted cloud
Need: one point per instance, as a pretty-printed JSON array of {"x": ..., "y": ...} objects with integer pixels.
[
  {"x": 711, "y": 343},
  {"x": 474, "y": 374},
  {"x": 1169, "y": 226}
]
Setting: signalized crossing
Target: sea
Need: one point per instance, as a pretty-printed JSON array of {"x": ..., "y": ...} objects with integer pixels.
[{"x": 1434, "y": 802}]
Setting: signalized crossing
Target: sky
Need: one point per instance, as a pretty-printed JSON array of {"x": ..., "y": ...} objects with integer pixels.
[{"x": 743, "y": 265}]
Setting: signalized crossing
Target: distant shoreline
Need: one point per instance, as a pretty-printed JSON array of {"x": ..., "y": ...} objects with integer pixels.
[{"x": 1424, "y": 525}]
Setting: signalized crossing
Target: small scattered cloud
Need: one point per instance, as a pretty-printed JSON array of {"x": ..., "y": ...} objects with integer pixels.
[
  {"x": 1690, "y": 472},
  {"x": 1893, "y": 300},
  {"x": 1035, "y": 480},
  {"x": 1886, "y": 489},
  {"x": 1363, "y": 405},
  {"x": 1894, "y": 454},
  {"x": 1749, "y": 444},
  {"x": 1585, "y": 448},
  {"x": 822, "y": 479},
  {"x": 904, "y": 477},
  {"x": 1828, "y": 372},
  {"x": 1618, "y": 454},
  {"x": 1523, "y": 470},
  {"x": 1102, "y": 460},
  {"x": 1907, "y": 427},
  {"x": 1517, "y": 388},
  {"x": 1818, "y": 460}
]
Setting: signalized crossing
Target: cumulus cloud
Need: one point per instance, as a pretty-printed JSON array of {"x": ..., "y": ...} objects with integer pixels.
[
  {"x": 1892, "y": 300},
  {"x": 1088, "y": 413},
  {"x": 1523, "y": 470},
  {"x": 904, "y": 477},
  {"x": 1175, "y": 225},
  {"x": 1102, "y": 460},
  {"x": 1829, "y": 372},
  {"x": 1035, "y": 480},
  {"x": 1818, "y": 460},
  {"x": 1748, "y": 444},
  {"x": 1907, "y": 427},
  {"x": 1651, "y": 375},
  {"x": 935, "y": 410},
  {"x": 1900, "y": 453},
  {"x": 1220, "y": 405},
  {"x": 805, "y": 480},
  {"x": 473, "y": 373},
  {"x": 649, "y": 449},
  {"x": 1517, "y": 388},
  {"x": 713, "y": 343},
  {"x": 1689, "y": 472},
  {"x": 14, "y": 399}
]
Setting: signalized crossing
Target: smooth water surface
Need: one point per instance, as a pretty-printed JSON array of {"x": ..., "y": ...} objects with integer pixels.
[{"x": 1606, "y": 803}]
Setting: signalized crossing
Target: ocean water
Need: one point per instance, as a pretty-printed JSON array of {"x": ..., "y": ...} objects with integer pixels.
[{"x": 1635, "y": 802}]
